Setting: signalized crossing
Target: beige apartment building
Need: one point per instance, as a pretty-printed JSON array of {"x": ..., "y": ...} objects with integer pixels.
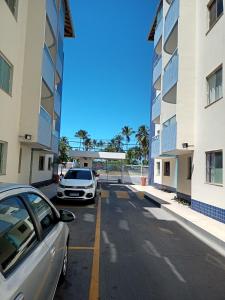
[
  {"x": 187, "y": 112},
  {"x": 31, "y": 75}
]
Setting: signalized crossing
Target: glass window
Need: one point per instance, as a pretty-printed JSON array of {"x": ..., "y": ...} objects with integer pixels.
[
  {"x": 5, "y": 75},
  {"x": 166, "y": 168},
  {"x": 3, "y": 157},
  {"x": 43, "y": 211},
  {"x": 20, "y": 160},
  {"x": 189, "y": 167},
  {"x": 158, "y": 169},
  {"x": 17, "y": 234},
  {"x": 214, "y": 167},
  {"x": 215, "y": 11},
  {"x": 215, "y": 88},
  {"x": 78, "y": 174},
  {"x": 12, "y": 4},
  {"x": 41, "y": 163},
  {"x": 49, "y": 163}
]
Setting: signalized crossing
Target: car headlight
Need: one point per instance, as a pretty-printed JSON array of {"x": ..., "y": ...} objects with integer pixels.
[
  {"x": 89, "y": 186},
  {"x": 61, "y": 185}
]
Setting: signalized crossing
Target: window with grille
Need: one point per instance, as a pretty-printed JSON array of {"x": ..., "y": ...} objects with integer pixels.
[
  {"x": 214, "y": 167},
  {"x": 5, "y": 75}
]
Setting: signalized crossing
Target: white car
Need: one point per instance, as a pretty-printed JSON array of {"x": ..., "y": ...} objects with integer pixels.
[{"x": 80, "y": 184}]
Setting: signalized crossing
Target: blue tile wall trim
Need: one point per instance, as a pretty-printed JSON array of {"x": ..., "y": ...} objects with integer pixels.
[{"x": 209, "y": 210}]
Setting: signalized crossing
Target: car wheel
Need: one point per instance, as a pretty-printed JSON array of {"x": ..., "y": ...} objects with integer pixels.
[{"x": 64, "y": 267}]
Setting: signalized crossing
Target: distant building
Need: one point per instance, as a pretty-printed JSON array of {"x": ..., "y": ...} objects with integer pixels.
[
  {"x": 31, "y": 75},
  {"x": 188, "y": 139}
]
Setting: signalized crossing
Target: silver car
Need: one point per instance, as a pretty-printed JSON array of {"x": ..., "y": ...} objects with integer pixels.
[{"x": 33, "y": 244}]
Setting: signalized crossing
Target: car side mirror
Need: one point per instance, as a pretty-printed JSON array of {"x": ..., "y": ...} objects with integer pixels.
[{"x": 66, "y": 215}]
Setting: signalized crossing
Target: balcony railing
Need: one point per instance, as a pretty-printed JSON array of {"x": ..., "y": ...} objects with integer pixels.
[
  {"x": 158, "y": 32},
  {"x": 48, "y": 70},
  {"x": 155, "y": 148},
  {"x": 171, "y": 18},
  {"x": 55, "y": 141},
  {"x": 52, "y": 14},
  {"x": 57, "y": 103},
  {"x": 157, "y": 71},
  {"x": 156, "y": 107},
  {"x": 170, "y": 76},
  {"x": 45, "y": 127},
  {"x": 169, "y": 135}
]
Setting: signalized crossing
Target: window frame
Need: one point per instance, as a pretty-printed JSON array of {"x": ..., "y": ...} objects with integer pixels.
[
  {"x": 158, "y": 169},
  {"x": 3, "y": 159},
  {"x": 189, "y": 167},
  {"x": 15, "y": 15},
  {"x": 3, "y": 57},
  {"x": 41, "y": 169},
  {"x": 207, "y": 168},
  {"x": 209, "y": 5},
  {"x": 219, "y": 68},
  {"x": 49, "y": 163},
  {"x": 31, "y": 247}
]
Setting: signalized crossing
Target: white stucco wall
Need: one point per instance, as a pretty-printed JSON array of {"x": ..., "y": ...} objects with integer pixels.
[
  {"x": 37, "y": 175},
  {"x": 183, "y": 182}
]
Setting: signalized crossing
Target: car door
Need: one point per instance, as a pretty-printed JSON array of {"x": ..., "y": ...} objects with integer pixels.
[
  {"x": 23, "y": 257},
  {"x": 54, "y": 234}
]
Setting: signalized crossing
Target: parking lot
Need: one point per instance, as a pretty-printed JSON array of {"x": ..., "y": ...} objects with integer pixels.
[{"x": 125, "y": 248}]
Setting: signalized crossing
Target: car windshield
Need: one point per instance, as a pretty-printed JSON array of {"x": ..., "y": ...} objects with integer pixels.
[{"x": 78, "y": 174}]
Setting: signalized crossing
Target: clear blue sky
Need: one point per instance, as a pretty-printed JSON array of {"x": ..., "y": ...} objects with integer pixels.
[{"x": 107, "y": 72}]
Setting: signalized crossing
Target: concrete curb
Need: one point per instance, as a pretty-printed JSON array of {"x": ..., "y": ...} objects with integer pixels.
[{"x": 208, "y": 238}]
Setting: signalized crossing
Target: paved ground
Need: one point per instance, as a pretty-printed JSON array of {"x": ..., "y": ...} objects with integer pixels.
[{"x": 143, "y": 253}]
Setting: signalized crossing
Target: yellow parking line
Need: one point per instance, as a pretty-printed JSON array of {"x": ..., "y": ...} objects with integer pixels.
[
  {"x": 141, "y": 195},
  {"x": 104, "y": 194},
  {"x": 94, "y": 287},
  {"x": 81, "y": 248},
  {"x": 122, "y": 195}
]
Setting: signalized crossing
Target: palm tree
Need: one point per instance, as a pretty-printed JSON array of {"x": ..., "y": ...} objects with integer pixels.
[
  {"x": 88, "y": 145},
  {"x": 118, "y": 139},
  {"x": 100, "y": 144},
  {"x": 82, "y": 135},
  {"x": 142, "y": 136},
  {"x": 127, "y": 133},
  {"x": 94, "y": 143},
  {"x": 64, "y": 148}
]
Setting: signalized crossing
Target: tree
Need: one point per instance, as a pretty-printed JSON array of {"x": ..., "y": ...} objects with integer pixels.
[
  {"x": 118, "y": 139},
  {"x": 94, "y": 143},
  {"x": 142, "y": 136},
  {"x": 88, "y": 145},
  {"x": 100, "y": 144},
  {"x": 64, "y": 148},
  {"x": 82, "y": 135},
  {"x": 127, "y": 133}
]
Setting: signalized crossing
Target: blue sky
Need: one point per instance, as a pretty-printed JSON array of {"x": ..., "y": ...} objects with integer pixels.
[{"x": 107, "y": 71}]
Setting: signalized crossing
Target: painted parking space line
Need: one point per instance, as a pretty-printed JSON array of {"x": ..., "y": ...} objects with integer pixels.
[
  {"x": 104, "y": 194},
  {"x": 131, "y": 203},
  {"x": 80, "y": 248},
  {"x": 174, "y": 270},
  {"x": 122, "y": 195},
  {"x": 94, "y": 286}
]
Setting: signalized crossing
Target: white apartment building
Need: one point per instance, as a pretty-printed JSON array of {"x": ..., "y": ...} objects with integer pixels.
[
  {"x": 188, "y": 106},
  {"x": 31, "y": 75}
]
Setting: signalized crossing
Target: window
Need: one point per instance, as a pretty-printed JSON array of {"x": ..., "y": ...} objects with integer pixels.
[
  {"x": 166, "y": 168},
  {"x": 214, "y": 167},
  {"x": 17, "y": 234},
  {"x": 215, "y": 86},
  {"x": 20, "y": 160},
  {"x": 12, "y": 4},
  {"x": 41, "y": 163},
  {"x": 3, "y": 157},
  {"x": 158, "y": 169},
  {"x": 78, "y": 174},
  {"x": 189, "y": 167},
  {"x": 5, "y": 75},
  {"x": 49, "y": 163},
  {"x": 43, "y": 211},
  {"x": 215, "y": 11}
]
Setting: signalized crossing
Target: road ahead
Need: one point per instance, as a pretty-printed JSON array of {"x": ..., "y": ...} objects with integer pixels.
[{"x": 125, "y": 248}]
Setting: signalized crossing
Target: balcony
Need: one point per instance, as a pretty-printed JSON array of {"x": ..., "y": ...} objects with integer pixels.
[
  {"x": 158, "y": 37},
  {"x": 48, "y": 71},
  {"x": 44, "y": 128},
  {"x": 55, "y": 141},
  {"x": 170, "y": 79},
  {"x": 156, "y": 109},
  {"x": 171, "y": 27},
  {"x": 57, "y": 103},
  {"x": 52, "y": 14},
  {"x": 157, "y": 71},
  {"x": 155, "y": 148},
  {"x": 169, "y": 135}
]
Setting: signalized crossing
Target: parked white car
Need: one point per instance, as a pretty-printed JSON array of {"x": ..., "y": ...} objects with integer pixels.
[{"x": 79, "y": 184}]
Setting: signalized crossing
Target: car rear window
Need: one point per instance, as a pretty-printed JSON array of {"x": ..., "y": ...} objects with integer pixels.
[
  {"x": 78, "y": 174},
  {"x": 17, "y": 233}
]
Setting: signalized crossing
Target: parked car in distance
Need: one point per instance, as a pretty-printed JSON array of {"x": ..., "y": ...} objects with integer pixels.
[
  {"x": 79, "y": 184},
  {"x": 33, "y": 244}
]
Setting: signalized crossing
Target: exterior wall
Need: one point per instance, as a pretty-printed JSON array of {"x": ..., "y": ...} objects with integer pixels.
[
  {"x": 210, "y": 121},
  {"x": 41, "y": 176},
  {"x": 183, "y": 182},
  {"x": 170, "y": 181},
  {"x": 24, "y": 175},
  {"x": 12, "y": 36},
  {"x": 157, "y": 177}
]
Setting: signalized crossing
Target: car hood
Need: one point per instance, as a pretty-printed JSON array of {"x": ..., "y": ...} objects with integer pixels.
[{"x": 76, "y": 182}]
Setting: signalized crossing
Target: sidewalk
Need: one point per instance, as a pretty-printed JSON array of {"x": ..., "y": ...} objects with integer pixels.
[
  {"x": 210, "y": 231},
  {"x": 49, "y": 190}
]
